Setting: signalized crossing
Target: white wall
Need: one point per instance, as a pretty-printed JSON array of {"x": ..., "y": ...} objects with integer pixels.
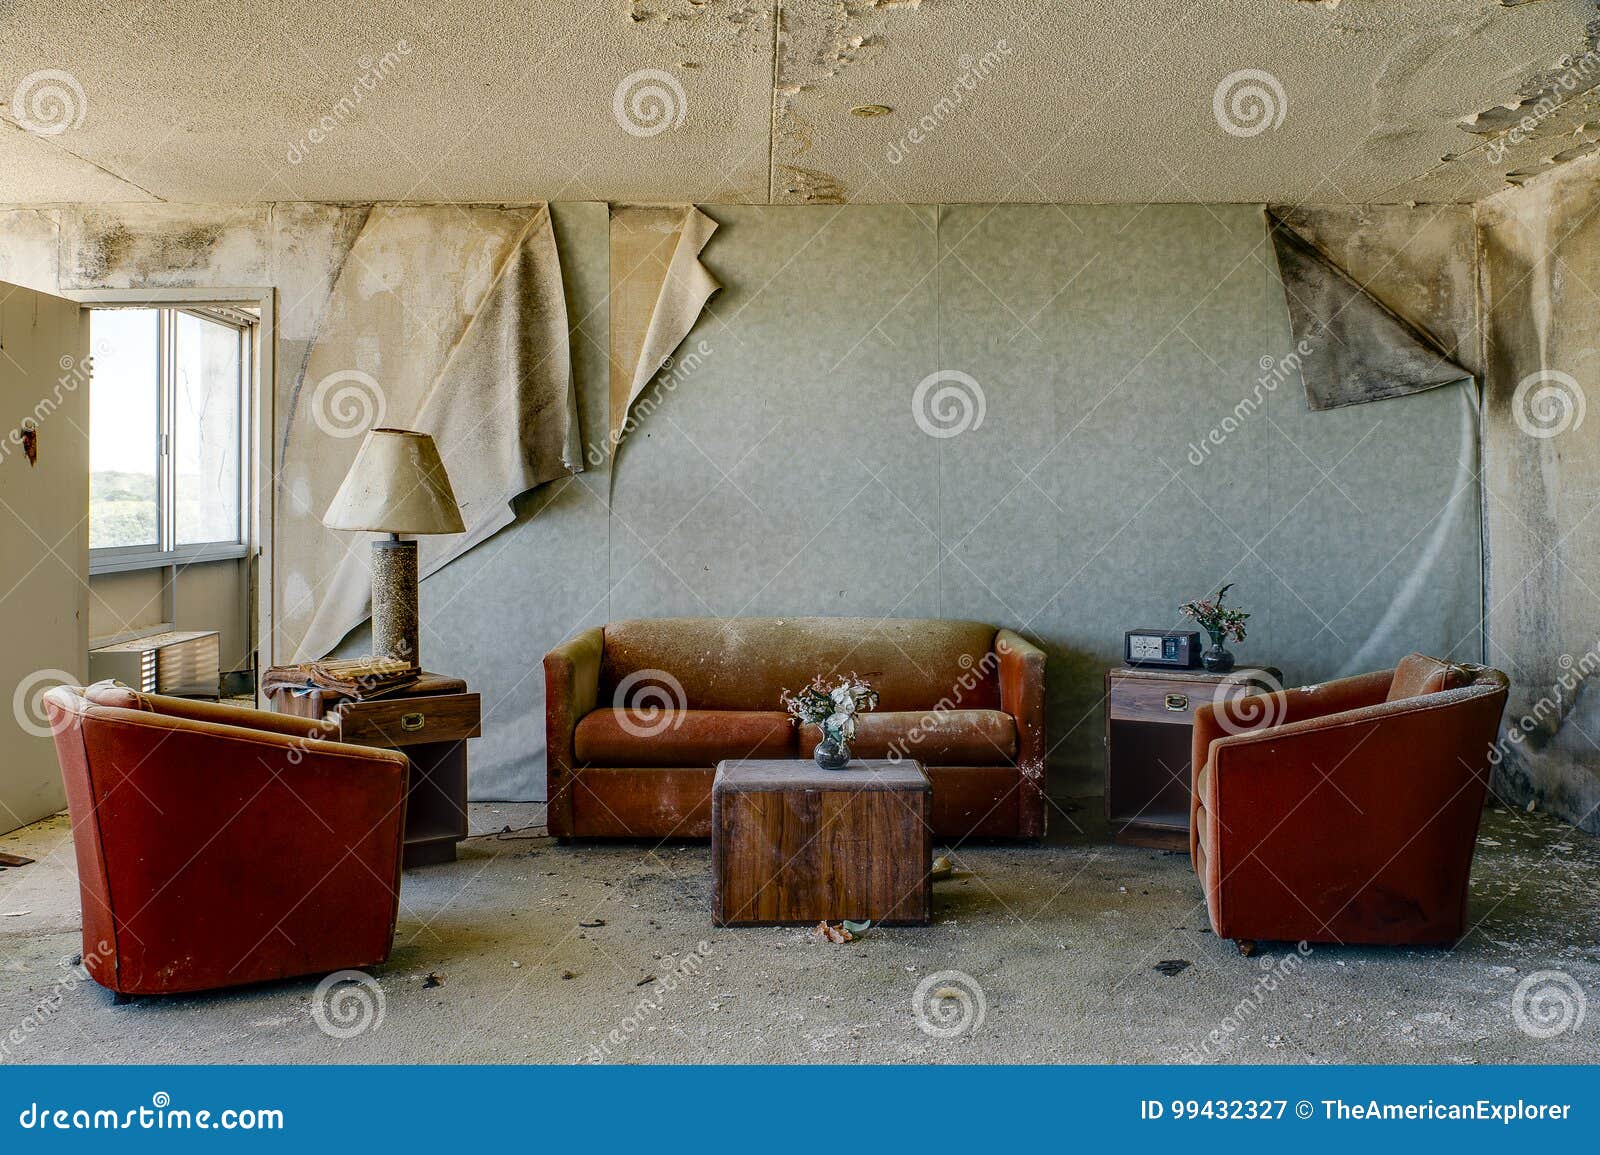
[
  {"x": 44, "y": 538},
  {"x": 212, "y": 595},
  {"x": 786, "y": 474}
]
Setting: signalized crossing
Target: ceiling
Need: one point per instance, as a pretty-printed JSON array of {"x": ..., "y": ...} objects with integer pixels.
[{"x": 1010, "y": 100}]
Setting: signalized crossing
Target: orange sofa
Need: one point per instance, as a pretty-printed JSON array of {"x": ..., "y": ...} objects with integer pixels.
[
  {"x": 639, "y": 713},
  {"x": 1345, "y": 812},
  {"x": 218, "y": 846}
]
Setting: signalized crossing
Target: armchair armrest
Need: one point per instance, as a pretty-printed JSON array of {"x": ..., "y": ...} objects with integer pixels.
[
  {"x": 1252, "y": 712},
  {"x": 1021, "y": 676},
  {"x": 267, "y": 721},
  {"x": 571, "y": 690}
]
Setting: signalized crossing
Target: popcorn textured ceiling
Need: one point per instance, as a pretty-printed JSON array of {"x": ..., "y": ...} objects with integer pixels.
[{"x": 783, "y": 101}]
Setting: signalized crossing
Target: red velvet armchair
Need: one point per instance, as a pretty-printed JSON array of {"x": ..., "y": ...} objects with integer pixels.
[
  {"x": 1345, "y": 812},
  {"x": 219, "y": 846}
]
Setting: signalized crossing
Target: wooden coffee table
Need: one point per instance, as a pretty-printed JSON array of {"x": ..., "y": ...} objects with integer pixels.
[{"x": 793, "y": 843}]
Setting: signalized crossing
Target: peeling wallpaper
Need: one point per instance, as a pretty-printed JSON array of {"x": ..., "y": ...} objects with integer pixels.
[{"x": 1091, "y": 470}]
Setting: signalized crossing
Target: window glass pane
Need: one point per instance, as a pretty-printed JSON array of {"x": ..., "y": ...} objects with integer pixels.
[
  {"x": 205, "y": 431},
  {"x": 124, "y": 426}
]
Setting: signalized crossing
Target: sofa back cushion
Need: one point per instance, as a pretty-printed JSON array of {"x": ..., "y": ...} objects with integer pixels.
[
  {"x": 747, "y": 663},
  {"x": 1418, "y": 674}
]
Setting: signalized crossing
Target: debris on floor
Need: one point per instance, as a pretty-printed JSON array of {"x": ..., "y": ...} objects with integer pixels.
[
  {"x": 832, "y": 933},
  {"x": 1173, "y": 966},
  {"x": 8, "y": 860},
  {"x": 433, "y": 979}
]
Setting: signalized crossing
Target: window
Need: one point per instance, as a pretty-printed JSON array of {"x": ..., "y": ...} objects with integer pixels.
[{"x": 166, "y": 436}]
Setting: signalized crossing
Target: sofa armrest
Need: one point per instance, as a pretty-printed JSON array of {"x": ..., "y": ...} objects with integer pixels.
[
  {"x": 571, "y": 690},
  {"x": 1021, "y": 675}
]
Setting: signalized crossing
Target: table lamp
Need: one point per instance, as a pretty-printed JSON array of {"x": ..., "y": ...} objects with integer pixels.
[{"x": 397, "y": 484}]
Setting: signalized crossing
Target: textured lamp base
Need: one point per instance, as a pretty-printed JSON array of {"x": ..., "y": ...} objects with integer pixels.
[{"x": 394, "y": 600}]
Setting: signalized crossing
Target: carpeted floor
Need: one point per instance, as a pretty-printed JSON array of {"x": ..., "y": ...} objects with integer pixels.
[{"x": 1071, "y": 951}]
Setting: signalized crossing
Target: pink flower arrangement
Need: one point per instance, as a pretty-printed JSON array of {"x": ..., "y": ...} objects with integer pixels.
[{"x": 1220, "y": 621}]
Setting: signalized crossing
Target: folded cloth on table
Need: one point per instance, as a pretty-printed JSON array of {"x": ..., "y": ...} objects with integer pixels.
[{"x": 370, "y": 677}]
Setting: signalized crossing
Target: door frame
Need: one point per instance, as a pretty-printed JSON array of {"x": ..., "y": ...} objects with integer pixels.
[{"x": 261, "y": 522}]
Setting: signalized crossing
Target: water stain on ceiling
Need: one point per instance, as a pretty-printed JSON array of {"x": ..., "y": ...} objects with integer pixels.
[{"x": 750, "y": 101}]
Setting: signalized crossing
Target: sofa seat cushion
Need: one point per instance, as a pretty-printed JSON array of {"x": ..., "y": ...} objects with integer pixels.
[
  {"x": 611, "y": 737},
  {"x": 934, "y": 738},
  {"x": 1418, "y": 674}
]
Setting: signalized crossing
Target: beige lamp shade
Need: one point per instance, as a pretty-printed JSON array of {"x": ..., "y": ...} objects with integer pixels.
[{"x": 397, "y": 484}]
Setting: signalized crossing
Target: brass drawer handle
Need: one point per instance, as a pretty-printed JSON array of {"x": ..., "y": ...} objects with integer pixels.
[
  {"x": 411, "y": 722},
  {"x": 1177, "y": 701}
]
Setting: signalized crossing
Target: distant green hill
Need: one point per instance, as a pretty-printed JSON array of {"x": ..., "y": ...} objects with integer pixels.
[{"x": 122, "y": 508}]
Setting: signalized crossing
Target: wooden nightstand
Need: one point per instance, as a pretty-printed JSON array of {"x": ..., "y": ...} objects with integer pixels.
[
  {"x": 430, "y": 721},
  {"x": 1149, "y": 731}
]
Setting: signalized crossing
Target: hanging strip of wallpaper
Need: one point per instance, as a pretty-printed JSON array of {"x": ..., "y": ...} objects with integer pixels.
[
  {"x": 658, "y": 288},
  {"x": 1350, "y": 348}
]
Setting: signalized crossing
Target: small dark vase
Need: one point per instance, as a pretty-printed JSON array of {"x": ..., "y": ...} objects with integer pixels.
[
  {"x": 1217, "y": 659},
  {"x": 833, "y": 752}
]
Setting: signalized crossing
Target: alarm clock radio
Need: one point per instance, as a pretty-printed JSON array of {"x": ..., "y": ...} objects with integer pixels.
[{"x": 1169, "y": 649}]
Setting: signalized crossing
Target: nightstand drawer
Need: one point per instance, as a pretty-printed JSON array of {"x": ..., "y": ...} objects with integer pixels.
[
  {"x": 411, "y": 721},
  {"x": 1154, "y": 700}
]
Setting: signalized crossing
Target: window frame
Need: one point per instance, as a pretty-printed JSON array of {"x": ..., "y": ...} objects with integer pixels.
[{"x": 166, "y": 551}]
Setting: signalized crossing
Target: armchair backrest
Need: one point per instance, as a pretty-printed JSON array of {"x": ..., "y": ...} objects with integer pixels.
[{"x": 1418, "y": 674}]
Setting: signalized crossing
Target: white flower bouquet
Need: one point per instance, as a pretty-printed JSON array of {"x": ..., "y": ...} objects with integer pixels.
[{"x": 834, "y": 710}]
